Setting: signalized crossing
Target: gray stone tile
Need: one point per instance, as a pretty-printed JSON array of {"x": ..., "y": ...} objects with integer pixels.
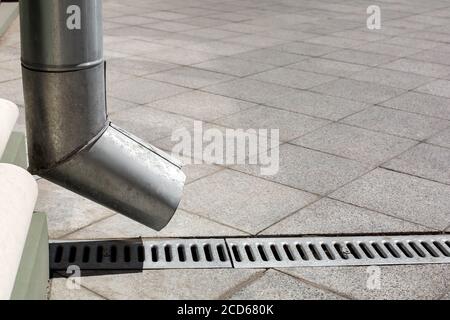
[
  {"x": 66, "y": 211},
  {"x": 328, "y": 216},
  {"x": 420, "y": 67},
  {"x": 291, "y": 125},
  {"x": 285, "y": 34},
  {"x": 132, "y": 20},
  {"x": 355, "y": 143},
  {"x": 251, "y": 90},
  {"x": 170, "y": 26},
  {"x": 360, "y": 57},
  {"x": 421, "y": 103},
  {"x": 221, "y": 48},
  {"x": 183, "y": 224},
  {"x": 387, "y": 49},
  {"x": 226, "y": 195},
  {"x": 412, "y": 43},
  {"x": 307, "y": 49},
  {"x": 441, "y": 139},
  {"x": 392, "y": 78},
  {"x": 137, "y": 65},
  {"x": 293, "y": 78},
  {"x": 396, "y": 282},
  {"x": 196, "y": 171},
  {"x": 397, "y": 122},
  {"x": 317, "y": 105},
  {"x": 256, "y": 40},
  {"x": 274, "y": 285},
  {"x": 434, "y": 56},
  {"x": 400, "y": 195},
  {"x": 270, "y": 57},
  {"x": 150, "y": 124},
  {"x": 212, "y": 33},
  {"x": 168, "y": 284},
  {"x": 424, "y": 160},
  {"x": 437, "y": 88},
  {"x": 358, "y": 90},
  {"x": 181, "y": 56},
  {"x": 202, "y": 105},
  {"x": 367, "y": 35},
  {"x": 338, "y": 42},
  {"x": 140, "y": 91},
  {"x": 310, "y": 170},
  {"x": 115, "y": 105},
  {"x": 330, "y": 67},
  {"x": 60, "y": 291},
  {"x": 12, "y": 91},
  {"x": 190, "y": 77},
  {"x": 134, "y": 47},
  {"x": 233, "y": 66}
]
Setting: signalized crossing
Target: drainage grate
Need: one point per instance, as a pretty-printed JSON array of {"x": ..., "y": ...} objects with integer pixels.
[
  {"x": 249, "y": 252},
  {"x": 186, "y": 253},
  {"x": 338, "y": 251},
  {"x": 138, "y": 255}
]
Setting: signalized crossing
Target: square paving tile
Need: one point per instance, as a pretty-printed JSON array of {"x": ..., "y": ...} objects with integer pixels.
[
  {"x": 420, "y": 67},
  {"x": 387, "y": 49},
  {"x": 181, "y": 56},
  {"x": 396, "y": 79},
  {"x": 307, "y": 49},
  {"x": 358, "y": 90},
  {"x": 150, "y": 124},
  {"x": 397, "y": 122},
  {"x": 251, "y": 90},
  {"x": 66, "y": 211},
  {"x": 310, "y": 170},
  {"x": 221, "y": 48},
  {"x": 293, "y": 78},
  {"x": 274, "y": 285},
  {"x": 355, "y": 143},
  {"x": 400, "y": 195},
  {"x": 424, "y": 160},
  {"x": 59, "y": 291},
  {"x": 202, "y": 105},
  {"x": 245, "y": 202},
  {"x": 140, "y": 91},
  {"x": 328, "y": 216},
  {"x": 168, "y": 284},
  {"x": 437, "y": 88},
  {"x": 421, "y": 103},
  {"x": 326, "y": 66},
  {"x": 360, "y": 57},
  {"x": 270, "y": 57},
  {"x": 317, "y": 105},
  {"x": 441, "y": 138},
  {"x": 395, "y": 282},
  {"x": 338, "y": 42},
  {"x": 256, "y": 40},
  {"x": 183, "y": 224},
  {"x": 190, "y": 77},
  {"x": 291, "y": 125},
  {"x": 233, "y": 66}
]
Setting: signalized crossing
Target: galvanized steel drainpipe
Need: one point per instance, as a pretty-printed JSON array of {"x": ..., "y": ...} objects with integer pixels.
[{"x": 70, "y": 139}]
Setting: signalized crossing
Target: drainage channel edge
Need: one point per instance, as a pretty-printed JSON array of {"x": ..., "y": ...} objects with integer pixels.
[{"x": 250, "y": 252}]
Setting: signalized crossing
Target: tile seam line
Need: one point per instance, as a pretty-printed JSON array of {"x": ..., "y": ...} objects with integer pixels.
[{"x": 315, "y": 285}]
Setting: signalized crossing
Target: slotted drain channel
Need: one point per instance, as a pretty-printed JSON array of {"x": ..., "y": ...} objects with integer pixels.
[
  {"x": 250, "y": 252},
  {"x": 339, "y": 251},
  {"x": 138, "y": 255}
]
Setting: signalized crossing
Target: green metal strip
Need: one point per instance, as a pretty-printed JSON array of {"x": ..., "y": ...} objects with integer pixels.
[{"x": 33, "y": 274}]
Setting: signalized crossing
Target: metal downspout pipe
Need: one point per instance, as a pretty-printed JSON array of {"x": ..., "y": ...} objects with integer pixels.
[{"x": 71, "y": 142}]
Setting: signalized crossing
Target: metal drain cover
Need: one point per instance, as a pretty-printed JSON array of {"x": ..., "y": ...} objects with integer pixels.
[
  {"x": 339, "y": 251},
  {"x": 250, "y": 252}
]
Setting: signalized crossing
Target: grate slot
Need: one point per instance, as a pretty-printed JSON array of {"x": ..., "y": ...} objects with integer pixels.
[{"x": 441, "y": 248}]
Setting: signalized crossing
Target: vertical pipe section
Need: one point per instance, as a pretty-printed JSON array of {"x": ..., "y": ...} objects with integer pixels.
[{"x": 70, "y": 139}]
